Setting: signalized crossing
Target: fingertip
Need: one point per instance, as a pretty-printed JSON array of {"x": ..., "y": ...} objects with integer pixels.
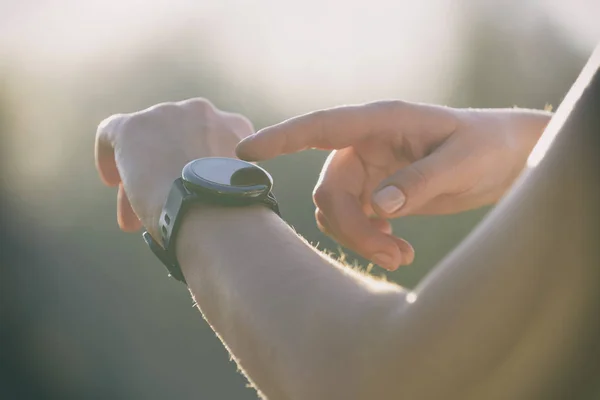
[
  {"x": 391, "y": 259},
  {"x": 273, "y": 141},
  {"x": 244, "y": 149},
  {"x": 408, "y": 252},
  {"x": 381, "y": 248},
  {"x": 386, "y": 260},
  {"x": 359, "y": 233}
]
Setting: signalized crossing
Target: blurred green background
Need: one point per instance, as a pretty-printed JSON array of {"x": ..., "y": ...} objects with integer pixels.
[{"x": 86, "y": 311}]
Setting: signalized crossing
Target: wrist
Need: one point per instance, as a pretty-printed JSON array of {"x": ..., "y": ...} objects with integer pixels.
[
  {"x": 156, "y": 198},
  {"x": 529, "y": 125},
  {"x": 208, "y": 187},
  {"x": 211, "y": 231},
  {"x": 517, "y": 129}
]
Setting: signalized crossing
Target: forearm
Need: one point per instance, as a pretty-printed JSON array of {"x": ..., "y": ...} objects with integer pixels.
[
  {"x": 295, "y": 321},
  {"x": 496, "y": 318},
  {"x": 298, "y": 324},
  {"x": 498, "y": 142}
]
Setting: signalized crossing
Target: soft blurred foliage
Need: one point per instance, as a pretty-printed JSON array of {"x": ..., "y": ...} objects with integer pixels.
[{"x": 86, "y": 311}]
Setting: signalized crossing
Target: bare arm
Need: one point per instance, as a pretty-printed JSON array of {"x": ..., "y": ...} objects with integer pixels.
[
  {"x": 391, "y": 159},
  {"x": 302, "y": 327},
  {"x": 295, "y": 321},
  {"x": 477, "y": 327},
  {"x": 495, "y": 320},
  {"x": 299, "y": 325}
]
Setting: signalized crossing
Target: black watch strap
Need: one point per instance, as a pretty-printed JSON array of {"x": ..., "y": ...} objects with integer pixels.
[{"x": 180, "y": 198}]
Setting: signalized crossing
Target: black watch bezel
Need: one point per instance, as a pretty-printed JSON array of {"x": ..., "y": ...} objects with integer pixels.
[{"x": 194, "y": 188}]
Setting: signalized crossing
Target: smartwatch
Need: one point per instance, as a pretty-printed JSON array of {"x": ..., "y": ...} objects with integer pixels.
[{"x": 213, "y": 180}]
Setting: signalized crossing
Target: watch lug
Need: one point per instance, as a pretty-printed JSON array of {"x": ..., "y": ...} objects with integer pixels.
[{"x": 178, "y": 201}]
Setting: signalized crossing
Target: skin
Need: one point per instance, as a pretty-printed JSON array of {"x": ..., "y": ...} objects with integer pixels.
[
  {"x": 509, "y": 314},
  {"x": 443, "y": 160},
  {"x": 134, "y": 153},
  {"x": 376, "y": 337}
]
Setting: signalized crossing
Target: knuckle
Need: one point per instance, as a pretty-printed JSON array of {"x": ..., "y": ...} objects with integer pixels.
[
  {"x": 240, "y": 121},
  {"x": 194, "y": 106},
  {"x": 168, "y": 110},
  {"x": 129, "y": 125},
  {"x": 319, "y": 122},
  {"x": 150, "y": 115},
  {"x": 198, "y": 105},
  {"x": 111, "y": 125},
  {"x": 387, "y": 105},
  {"x": 158, "y": 109},
  {"x": 387, "y": 110}
]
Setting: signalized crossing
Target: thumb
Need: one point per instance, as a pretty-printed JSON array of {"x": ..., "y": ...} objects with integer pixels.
[{"x": 412, "y": 187}]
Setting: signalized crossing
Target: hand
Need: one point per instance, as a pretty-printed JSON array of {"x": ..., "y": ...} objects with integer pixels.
[
  {"x": 393, "y": 159},
  {"x": 144, "y": 152}
]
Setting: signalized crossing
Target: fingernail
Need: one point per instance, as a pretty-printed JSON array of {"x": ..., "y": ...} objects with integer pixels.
[
  {"x": 382, "y": 259},
  {"x": 390, "y": 199}
]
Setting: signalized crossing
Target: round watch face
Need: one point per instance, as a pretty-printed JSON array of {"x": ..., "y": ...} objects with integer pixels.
[{"x": 227, "y": 176}]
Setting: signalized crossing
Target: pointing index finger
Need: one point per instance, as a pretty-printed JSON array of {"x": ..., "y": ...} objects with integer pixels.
[
  {"x": 340, "y": 127},
  {"x": 329, "y": 129}
]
